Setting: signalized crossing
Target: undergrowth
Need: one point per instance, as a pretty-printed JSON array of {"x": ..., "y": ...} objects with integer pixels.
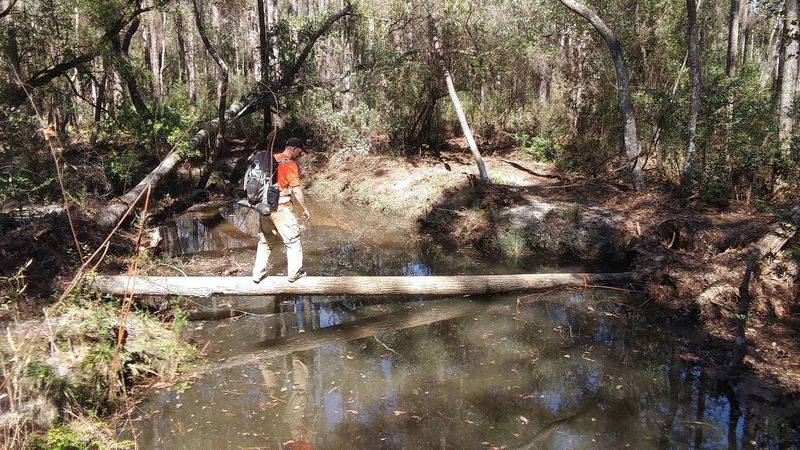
[{"x": 60, "y": 368}]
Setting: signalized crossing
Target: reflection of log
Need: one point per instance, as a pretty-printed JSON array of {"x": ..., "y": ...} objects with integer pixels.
[
  {"x": 360, "y": 329},
  {"x": 438, "y": 285}
]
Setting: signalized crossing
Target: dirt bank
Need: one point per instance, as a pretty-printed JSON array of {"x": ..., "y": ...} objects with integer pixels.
[{"x": 690, "y": 257}]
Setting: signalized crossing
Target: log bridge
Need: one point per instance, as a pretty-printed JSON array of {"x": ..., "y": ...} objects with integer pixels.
[{"x": 387, "y": 285}]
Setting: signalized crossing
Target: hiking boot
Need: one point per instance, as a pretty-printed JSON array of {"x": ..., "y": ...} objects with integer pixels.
[
  {"x": 257, "y": 280},
  {"x": 300, "y": 274}
]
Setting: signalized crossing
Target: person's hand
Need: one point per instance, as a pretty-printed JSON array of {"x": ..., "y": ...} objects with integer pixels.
[{"x": 306, "y": 215}]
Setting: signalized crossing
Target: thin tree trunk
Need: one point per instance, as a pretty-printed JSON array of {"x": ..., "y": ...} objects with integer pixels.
[
  {"x": 788, "y": 79},
  {"x": 733, "y": 39},
  {"x": 179, "y": 30},
  {"x": 121, "y": 51},
  {"x": 623, "y": 88},
  {"x": 99, "y": 102},
  {"x": 694, "y": 102},
  {"x": 264, "y": 52},
  {"x": 746, "y": 29},
  {"x": 154, "y": 56},
  {"x": 191, "y": 67},
  {"x": 462, "y": 118},
  {"x": 222, "y": 76}
]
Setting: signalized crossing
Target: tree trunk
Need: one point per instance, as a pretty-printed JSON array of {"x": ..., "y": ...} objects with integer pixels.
[
  {"x": 154, "y": 56},
  {"x": 121, "y": 51},
  {"x": 263, "y": 53},
  {"x": 733, "y": 39},
  {"x": 222, "y": 77},
  {"x": 788, "y": 79},
  {"x": 389, "y": 285},
  {"x": 462, "y": 118},
  {"x": 191, "y": 67},
  {"x": 179, "y": 30},
  {"x": 745, "y": 25},
  {"x": 688, "y": 176},
  {"x": 99, "y": 104},
  {"x": 623, "y": 88}
]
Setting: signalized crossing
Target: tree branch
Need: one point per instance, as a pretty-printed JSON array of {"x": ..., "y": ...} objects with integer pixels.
[
  {"x": 289, "y": 76},
  {"x": 7, "y": 11}
]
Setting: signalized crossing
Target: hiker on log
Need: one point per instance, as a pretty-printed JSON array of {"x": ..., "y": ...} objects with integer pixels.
[{"x": 279, "y": 213}]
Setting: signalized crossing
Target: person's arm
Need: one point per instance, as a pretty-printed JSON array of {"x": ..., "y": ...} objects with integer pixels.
[{"x": 301, "y": 200}]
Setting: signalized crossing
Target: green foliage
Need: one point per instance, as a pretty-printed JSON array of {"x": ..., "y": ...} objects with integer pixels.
[
  {"x": 741, "y": 149},
  {"x": 333, "y": 127},
  {"x": 121, "y": 165},
  {"x": 180, "y": 317},
  {"x": 76, "y": 436},
  {"x": 64, "y": 438},
  {"x": 168, "y": 128},
  {"x": 13, "y": 287}
]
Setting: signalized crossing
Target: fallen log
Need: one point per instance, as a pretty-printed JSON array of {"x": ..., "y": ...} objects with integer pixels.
[{"x": 395, "y": 285}]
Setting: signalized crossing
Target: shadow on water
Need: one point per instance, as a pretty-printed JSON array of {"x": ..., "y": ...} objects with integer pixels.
[{"x": 568, "y": 369}]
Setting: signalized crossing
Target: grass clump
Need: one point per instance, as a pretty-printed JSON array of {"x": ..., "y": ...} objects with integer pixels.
[{"x": 62, "y": 367}]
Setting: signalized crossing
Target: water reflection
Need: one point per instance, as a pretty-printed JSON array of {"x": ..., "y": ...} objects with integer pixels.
[{"x": 554, "y": 376}]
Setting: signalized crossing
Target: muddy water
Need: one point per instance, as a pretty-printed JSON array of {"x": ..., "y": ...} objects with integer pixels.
[{"x": 567, "y": 369}]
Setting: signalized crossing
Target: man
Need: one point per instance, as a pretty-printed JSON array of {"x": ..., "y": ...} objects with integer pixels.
[{"x": 283, "y": 218}]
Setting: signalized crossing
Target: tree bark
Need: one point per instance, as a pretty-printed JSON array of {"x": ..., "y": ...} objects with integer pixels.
[
  {"x": 462, "y": 118},
  {"x": 191, "y": 67},
  {"x": 623, "y": 88},
  {"x": 434, "y": 285},
  {"x": 688, "y": 176},
  {"x": 745, "y": 22},
  {"x": 179, "y": 30},
  {"x": 733, "y": 39},
  {"x": 788, "y": 79}
]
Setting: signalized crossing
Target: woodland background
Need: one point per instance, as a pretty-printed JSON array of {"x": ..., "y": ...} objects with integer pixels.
[{"x": 120, "y": 83}]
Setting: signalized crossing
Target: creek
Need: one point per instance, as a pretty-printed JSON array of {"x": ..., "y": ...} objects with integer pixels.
[{"x": 561, "y": 369}]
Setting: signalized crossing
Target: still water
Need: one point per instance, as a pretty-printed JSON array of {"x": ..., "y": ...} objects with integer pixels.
[{"x": 564, "y": 369}]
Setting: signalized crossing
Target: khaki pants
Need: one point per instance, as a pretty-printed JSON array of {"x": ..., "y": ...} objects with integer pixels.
[{"x": 285, "y": 222}]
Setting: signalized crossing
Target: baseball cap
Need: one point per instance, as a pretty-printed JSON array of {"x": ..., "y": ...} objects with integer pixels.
[{"x": 295, "y": 142}]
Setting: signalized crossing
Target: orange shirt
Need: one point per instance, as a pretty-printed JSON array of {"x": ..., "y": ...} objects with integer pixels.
[{"x": 288, "y": 173}]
